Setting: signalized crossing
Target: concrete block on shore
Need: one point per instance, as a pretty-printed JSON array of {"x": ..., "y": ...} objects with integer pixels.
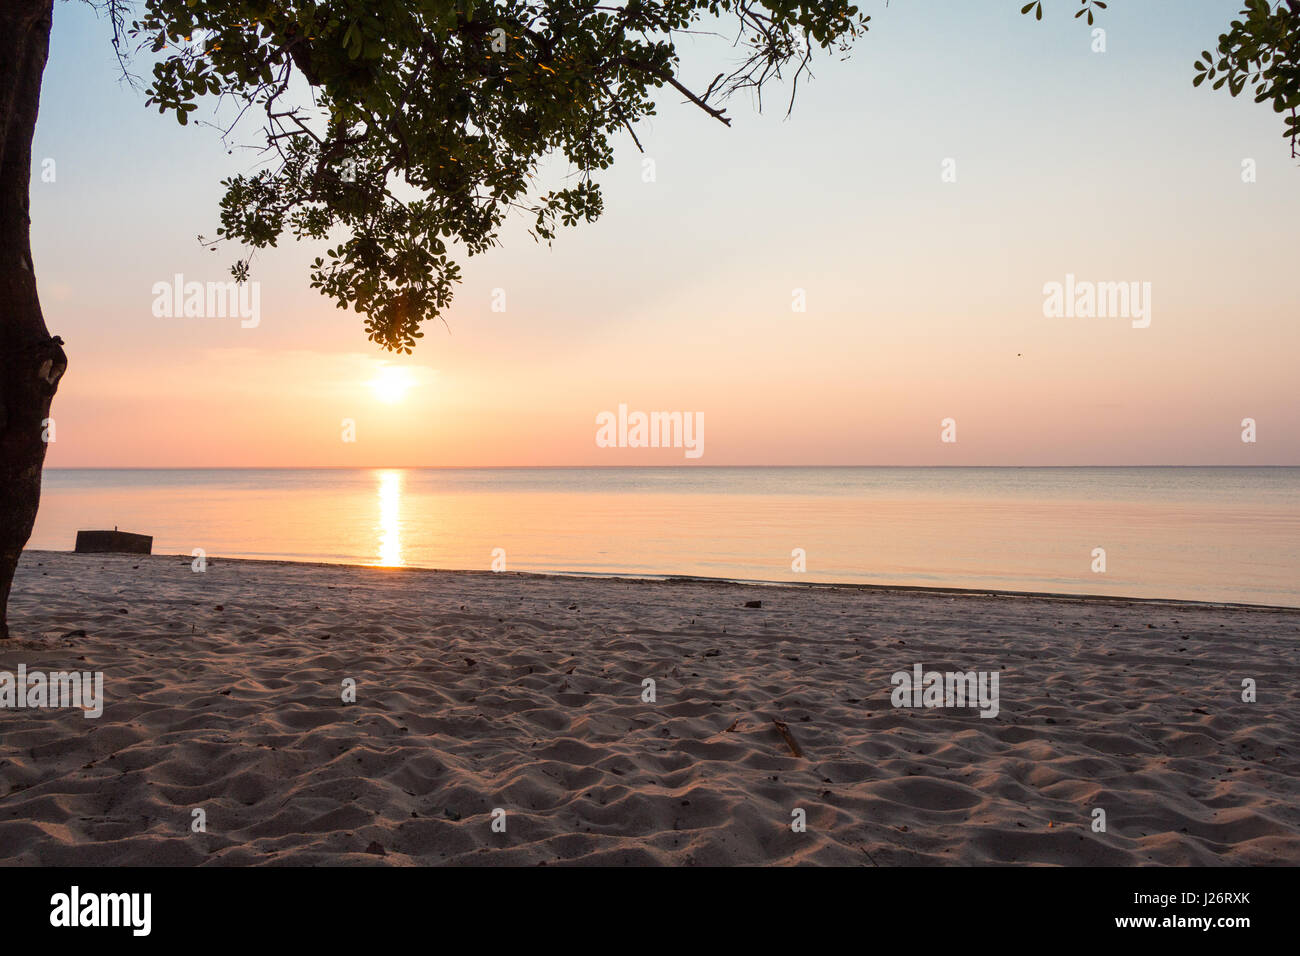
[{"x": 123, "y": 542}]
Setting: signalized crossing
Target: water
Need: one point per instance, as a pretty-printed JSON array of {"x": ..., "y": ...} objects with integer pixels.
[{"x": 1218, "y": 534}]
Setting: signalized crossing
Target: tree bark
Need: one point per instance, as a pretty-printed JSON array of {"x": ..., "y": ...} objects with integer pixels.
[{"x": 31, "y": 361}]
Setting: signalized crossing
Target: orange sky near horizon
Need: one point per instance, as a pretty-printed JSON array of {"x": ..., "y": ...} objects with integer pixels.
[{"x": 924, "y": 297}]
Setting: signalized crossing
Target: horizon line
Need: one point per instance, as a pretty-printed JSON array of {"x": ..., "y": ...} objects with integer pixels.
[{"x": 590, "y": 467}]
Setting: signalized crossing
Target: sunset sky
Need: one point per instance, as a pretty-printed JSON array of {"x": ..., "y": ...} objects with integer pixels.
[{"x": 924, "y": 298}]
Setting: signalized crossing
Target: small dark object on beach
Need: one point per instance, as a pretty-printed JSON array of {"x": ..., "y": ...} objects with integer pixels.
[
  {"x": 784, "y": 730},
  {"x": 79, "y": 632},
  {"x": 106, "y": 542},
  {"x": 376, "y": 849},
  {"x": 753, "y": 604}
]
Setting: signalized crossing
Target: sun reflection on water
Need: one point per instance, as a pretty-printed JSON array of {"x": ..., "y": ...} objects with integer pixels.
[{"x": 390, "y": 515}]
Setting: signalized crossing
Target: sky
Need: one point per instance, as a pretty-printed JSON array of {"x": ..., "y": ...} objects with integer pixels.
[{"x": 923, "y": 294}]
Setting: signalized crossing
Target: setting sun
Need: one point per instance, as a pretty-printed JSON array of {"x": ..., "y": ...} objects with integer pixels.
[{"x": 391, "y": 383}]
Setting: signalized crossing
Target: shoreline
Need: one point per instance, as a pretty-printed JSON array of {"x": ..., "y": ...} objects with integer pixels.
[
  {"x": 739, "y": 582},
  {"x": 632, "y": 467}
]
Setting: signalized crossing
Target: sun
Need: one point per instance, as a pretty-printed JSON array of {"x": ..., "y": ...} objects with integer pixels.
[{"x": 391, "y": 383}]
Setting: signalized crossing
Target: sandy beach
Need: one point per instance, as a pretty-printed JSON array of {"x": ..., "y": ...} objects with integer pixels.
[{"x": 475, "y": 692}]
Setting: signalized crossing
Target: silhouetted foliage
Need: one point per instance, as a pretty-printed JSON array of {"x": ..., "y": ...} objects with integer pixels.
[
  {"x": 407, "y": 126},
  {"x": 1261, "y": 51}
]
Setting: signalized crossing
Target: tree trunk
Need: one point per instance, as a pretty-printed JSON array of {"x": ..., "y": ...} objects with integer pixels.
[{"x": 31, "y": 362}]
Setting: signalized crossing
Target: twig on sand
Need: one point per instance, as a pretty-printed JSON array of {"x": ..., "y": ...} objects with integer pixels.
[{"x": 783, "y": 729}]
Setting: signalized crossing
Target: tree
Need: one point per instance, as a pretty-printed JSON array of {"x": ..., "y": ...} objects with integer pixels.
[
  {"x": 1261, "y": 51},
  {"x": 406, "y": 126},
  {"x": 31, "y": 361}
]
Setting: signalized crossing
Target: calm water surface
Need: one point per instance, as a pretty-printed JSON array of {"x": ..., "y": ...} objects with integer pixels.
[{"x": 1219, "y": 534}]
